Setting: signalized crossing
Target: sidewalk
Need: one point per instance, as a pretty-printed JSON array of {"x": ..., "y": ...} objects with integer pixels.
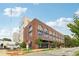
[{"x": 3, "y": 52}]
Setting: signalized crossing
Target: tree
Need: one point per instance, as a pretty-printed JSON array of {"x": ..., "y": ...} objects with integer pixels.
[
  {"x": 6, "y": 39},
  {"x": 67, "y": 41},
  {"x": 70, "y": 42},
  {"x": 74, "y": 27}
]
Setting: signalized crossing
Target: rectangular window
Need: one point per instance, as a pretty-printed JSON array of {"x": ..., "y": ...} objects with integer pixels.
[{"x": 30, "y": 34}]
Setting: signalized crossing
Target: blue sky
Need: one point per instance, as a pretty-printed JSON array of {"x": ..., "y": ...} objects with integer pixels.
[{"x": 54, "y": 15}]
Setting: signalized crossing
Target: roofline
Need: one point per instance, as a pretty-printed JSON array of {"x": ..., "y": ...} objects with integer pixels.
[
  {"x": 47, "y": 26},
  {"x": 44, "y": 24}
]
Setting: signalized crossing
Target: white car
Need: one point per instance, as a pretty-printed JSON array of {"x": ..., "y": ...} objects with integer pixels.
[{"x": 12, "y": 46}]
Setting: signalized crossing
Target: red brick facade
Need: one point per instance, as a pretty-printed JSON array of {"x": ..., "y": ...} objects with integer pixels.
[{"x": 37, "y": 29}]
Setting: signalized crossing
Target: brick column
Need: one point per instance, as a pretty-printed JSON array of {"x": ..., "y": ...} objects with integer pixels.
[{"x": 35, "y": 35}]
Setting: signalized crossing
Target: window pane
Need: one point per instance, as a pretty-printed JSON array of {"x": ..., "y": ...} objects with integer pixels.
[
  {"x": 30, "y": 28},
  {"x": 40, "y": 27}
]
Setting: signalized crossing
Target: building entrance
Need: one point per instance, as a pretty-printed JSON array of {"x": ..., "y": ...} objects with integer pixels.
[{"x": 44, "y": 44}]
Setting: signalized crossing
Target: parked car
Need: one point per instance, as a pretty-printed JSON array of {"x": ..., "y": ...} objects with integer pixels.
[
  {"x": 1, "y": 43},
  {"x": 12, "y": 46}
]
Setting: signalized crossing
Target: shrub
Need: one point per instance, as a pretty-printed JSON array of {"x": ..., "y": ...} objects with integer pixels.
[{"x": 23, "y": 45}]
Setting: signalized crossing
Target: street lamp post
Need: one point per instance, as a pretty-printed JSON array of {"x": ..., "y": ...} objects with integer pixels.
[{"x": 11, "y": 14}]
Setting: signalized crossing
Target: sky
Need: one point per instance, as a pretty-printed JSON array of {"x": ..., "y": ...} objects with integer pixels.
[{"x": 55, "y": 15}]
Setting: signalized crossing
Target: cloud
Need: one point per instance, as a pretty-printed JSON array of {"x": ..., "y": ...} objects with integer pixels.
[
  {"x": 16, "y": 29},
  {"x": 5, "y": 33},
  {"x": 60, "y": 24},
  {"x": 13, "y": 12},
  {"x": 77, "y": 13},
  {"x": 8, "y": 33}
]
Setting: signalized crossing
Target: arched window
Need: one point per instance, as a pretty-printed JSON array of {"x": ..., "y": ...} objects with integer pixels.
[
  {"x": 40, "y": 30},
  {"x": 50, "y": 35},
  {"x": 30, "y": 30},
  {"x": 40, "y": 27},
  {"x": 50, "y": 32},
  {"x": 46, "y": 31},
  {"x": 54, "y": 34}
]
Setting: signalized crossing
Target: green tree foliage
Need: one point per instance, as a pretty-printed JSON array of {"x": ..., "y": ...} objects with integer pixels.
[
  {"x": 23, "y": 45},
  {"x": 74, "y": 27},
  {"x": 74, "y": 42},
  {"x": 6, "y": 39},
  {"x": 67, "y": 41},
  {"x": 70, "y": 42}
]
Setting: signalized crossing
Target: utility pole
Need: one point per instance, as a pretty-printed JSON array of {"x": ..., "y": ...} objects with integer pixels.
[{"x": 11, "y": 14}]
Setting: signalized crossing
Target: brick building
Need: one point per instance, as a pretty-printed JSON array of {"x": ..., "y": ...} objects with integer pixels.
[{"x": 36, "y": 29}]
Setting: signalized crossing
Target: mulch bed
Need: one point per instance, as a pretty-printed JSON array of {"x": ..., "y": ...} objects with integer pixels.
[{"x": 15, "y": 53}]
